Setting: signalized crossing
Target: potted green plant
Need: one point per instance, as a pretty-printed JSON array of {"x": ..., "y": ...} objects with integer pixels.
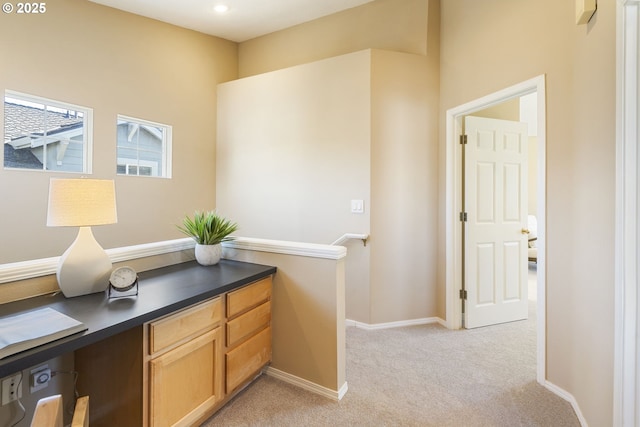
[{"x": 208, "y": 229}]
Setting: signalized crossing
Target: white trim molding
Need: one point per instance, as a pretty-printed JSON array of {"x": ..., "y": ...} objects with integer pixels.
[
  {"x": 398, "y": 324},
  {"x": 307, "y": 385},
  {"x": 347, "y": 236},
  {"x": 569, "y": 398},
  {"x": 626, "y": 377},
  {"x": 42, "y": 267},
  {"x": 16, "y": 271},
  {"x": 313, "y": 250}
]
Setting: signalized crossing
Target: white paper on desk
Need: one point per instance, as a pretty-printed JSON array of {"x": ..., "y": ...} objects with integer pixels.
[{"x": 27, "y": 330}]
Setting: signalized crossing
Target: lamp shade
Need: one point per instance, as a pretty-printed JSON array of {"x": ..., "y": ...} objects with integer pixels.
[{"x": 81, "y": 202}]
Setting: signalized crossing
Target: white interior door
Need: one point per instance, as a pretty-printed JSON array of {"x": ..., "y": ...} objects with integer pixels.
[{"x": 495, "y": 201}]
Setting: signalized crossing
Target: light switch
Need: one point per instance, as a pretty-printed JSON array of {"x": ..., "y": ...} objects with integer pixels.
[{"x": 357, "y": 206}]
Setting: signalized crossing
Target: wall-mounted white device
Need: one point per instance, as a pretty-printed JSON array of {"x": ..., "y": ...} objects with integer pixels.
[{"x": 585, "y": 10}]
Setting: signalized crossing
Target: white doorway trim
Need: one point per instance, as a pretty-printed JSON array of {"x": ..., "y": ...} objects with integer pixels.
[
  {"x": 453, "y": 269},
  {"x": 626, "y": 377}
]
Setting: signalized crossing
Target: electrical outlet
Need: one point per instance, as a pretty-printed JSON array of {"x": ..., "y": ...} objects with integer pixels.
[
  {"x": 39, "y": 378},
  {"x": 11, "y": 388}
]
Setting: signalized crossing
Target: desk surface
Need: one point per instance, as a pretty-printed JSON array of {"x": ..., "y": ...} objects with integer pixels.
[{"x": 161, "y": 291}]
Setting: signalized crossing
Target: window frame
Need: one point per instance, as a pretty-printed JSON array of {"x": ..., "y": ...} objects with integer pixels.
[
  {"x": 166, "y": 154},
  {"x": 87, "y": 134}
]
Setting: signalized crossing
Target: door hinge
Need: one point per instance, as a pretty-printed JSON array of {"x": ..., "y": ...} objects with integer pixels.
[
  {"x": 463, "y": 217},
  {"x": 463, "y": 294},
  {"x": 463, "y": 139}
]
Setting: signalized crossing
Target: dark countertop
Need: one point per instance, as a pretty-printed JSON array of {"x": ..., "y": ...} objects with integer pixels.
[{"x": 161, "y": 291}]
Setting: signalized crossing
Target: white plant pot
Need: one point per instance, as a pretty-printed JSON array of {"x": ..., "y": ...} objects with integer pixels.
[{"x": 208, "y": 254}]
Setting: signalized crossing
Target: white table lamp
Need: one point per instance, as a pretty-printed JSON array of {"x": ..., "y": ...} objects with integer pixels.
[{"x": 85, "y": 267}]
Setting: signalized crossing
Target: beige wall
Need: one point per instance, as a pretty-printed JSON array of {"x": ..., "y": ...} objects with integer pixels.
[
  {"x": 307, "y": 316},
  {"x": 293, "y": 151},
  {"x": 404, "y": 189},
  {"x": 402, "y": 282},
  {"x": 398, "y": 25},
  {"x": 115, "y": 63},
  {"x": 507, "y": 110},
  {"x": 493, "y": 44},
  {"x": 296, "y": 145}
]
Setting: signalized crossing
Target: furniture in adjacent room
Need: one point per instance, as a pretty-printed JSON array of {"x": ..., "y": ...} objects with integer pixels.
[{"x": 532, "y": 226}]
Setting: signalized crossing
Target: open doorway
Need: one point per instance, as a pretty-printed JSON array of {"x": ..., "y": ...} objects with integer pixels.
[{"x": 454, "y": 178}]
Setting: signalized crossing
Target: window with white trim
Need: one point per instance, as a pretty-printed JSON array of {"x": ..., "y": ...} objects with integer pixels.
[
  {"x": 44, "y": 134},
  {"x": 143, "y": 148}
]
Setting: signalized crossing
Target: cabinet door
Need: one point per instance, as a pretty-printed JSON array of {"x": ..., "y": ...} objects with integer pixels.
[
  {"x": 248, "y": 358},
  {"x": 186, "y": 382}
]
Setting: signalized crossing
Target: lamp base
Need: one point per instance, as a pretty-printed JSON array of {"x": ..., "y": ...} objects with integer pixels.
[{"x": 85, "y": 267}]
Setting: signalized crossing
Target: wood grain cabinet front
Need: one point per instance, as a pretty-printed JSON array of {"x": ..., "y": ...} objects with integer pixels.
[
  {"x": 247, "y": 324},
  {"x": 179, "y": 369},
  {"x": 248, "y": 332},
  {"x": 246, "y": 360},
  {"x": 185, "y": 365},
  {"x": 186, "y": 382},
  {"x": 187, "y": 323}
]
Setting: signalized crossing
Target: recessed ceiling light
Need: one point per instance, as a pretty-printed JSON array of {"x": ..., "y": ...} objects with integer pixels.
[{"x": 221, "y": 8}]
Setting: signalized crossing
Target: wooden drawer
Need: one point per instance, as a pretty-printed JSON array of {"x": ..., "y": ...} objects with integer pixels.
[
  {"x": 195, "y": 320},
  {"x": 250, "y": 296},
  {"x": 248, "y": 323},
  {"x": 248, "y": 358}
]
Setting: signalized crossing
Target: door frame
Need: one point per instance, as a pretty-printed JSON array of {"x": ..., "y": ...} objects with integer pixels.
[
  {"x": 626, "y": 375},
  {"x": 453, "y": 203}
]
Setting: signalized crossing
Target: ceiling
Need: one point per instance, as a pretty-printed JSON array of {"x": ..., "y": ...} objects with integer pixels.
[{"x": 244, "y": 20}]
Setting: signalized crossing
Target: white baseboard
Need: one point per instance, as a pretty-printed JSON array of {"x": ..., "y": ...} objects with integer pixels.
[
  {"x": 307, "y": 385},
  {"x": 569, "y": 398},
  {"x": 398, "y": 324}
]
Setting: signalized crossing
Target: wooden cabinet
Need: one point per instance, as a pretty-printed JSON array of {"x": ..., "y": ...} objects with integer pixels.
[
  {"x": 245, "y": 325},
  {"x": 181, "y": 326},
  {"x": 184, "y": 365},
  {"x": 110, "y": 372},
  {"x": 179, "y": 369},
  {"x": 245, "y": 298},
  {"x": 248, "y": 333},
  {"x": 246, "y": 360},
  {"x": 188, "y": 377}
]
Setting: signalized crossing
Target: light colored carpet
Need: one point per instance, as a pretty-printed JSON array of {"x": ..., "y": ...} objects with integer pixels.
[{"x": 417, "y": 376}]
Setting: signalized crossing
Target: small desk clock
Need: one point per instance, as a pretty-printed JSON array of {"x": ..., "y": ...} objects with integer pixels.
[{"x": 123, "y": 282}]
